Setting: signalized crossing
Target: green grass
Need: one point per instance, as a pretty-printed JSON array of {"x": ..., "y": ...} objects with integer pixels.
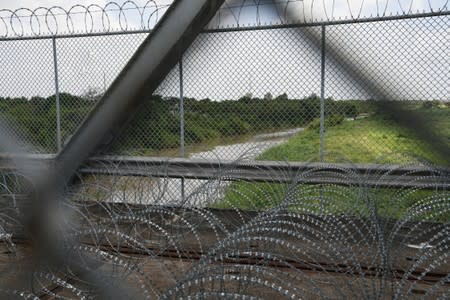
[
  {"x": 368, "y": 140},
  {"x": 338, "y": 200}
]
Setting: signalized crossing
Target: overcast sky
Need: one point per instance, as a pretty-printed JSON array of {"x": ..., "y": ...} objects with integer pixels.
[{"x": 408, "y": 55}]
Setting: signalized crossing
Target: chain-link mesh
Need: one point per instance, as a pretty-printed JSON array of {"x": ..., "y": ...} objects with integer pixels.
[
  {"x": 155, "y": 129},
  {"x": 87, "y": 66},
  {"x": 251, "y": 93},
  {"x": 245, "y": 110},
  {"x": 133, "y": 227},
  {"x": 26, "y": 81},
  {"x": 260, "y": 97},
  {"x": 405, "y": 57}
]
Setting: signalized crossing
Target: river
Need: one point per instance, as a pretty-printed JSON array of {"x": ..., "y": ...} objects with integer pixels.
[{"x": 166, "y": 191}]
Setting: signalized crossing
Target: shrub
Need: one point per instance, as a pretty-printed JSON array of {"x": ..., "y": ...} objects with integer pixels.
[
  {"x": 330, "y": 121},
  {"x": 427, "y": 104}
]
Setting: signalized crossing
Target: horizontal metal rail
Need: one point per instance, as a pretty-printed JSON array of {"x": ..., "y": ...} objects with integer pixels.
[
  {"x": 236, "y": 28},
  {"x": 370, "y": 175}
]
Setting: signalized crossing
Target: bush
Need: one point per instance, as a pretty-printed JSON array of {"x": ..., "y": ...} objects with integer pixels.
[
  {"x": 427, "y": 104},
  {"x": 330, "y": 121},
  {"x": 351, "y": 111}
]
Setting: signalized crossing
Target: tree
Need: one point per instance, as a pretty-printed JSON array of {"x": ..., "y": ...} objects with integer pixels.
[
  {"x": 92, "y": 93},
  {"x": 283, "y": 96},
  {"x": 268, "y": 96},
  {"x": 247, "y": 97},
  {"x": 313, "y": 96},
  {"x": 351, "y": 112},
  {"x": 427, "y": 104}
]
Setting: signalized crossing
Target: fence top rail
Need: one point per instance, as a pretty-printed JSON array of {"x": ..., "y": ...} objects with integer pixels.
[
  {"x": 132, "y": 18},
  {"x": 374, "y": 175},
  {"x": 161, "y": 160}
]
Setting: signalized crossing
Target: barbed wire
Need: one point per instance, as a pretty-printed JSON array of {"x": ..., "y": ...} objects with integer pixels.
[
  {"x": 135, "y": 16},
  {"x": 134, "y": 230}
]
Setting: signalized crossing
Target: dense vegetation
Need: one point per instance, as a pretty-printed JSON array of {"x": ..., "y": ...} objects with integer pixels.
[
  {"x": 156, "y": 126},
  {"x": 35, "y": 119}
]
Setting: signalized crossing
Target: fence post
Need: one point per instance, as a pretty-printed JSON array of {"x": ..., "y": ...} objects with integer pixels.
[
  {"x": 322, "y": 109},
  {"x": 182, "y": 151},
  {"x": 58, "y": 110},
  {"x": 322, "y": 93}
]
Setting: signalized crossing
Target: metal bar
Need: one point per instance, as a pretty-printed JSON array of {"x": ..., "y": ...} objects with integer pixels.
[
  {"x": 322, "y": 93},
  {"x": 75, "y": 35},
  {"x": 374, "y": 175},
  {"x": 182, "y": 152},
  {"x": 111, "y": 160},
  {"x": 181, "y": 109},
  {"x": 148, "y": 67},
  {"x": 312, "y": 173},
  {"x": 58, "y": 109},
  {"x": 241, "y": 28},
  {"x": 322, "y": 109},
  {"x": 294, "y": 24}
]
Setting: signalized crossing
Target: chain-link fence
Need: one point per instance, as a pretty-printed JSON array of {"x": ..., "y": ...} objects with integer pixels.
[
  {"x": 234, "y": 217},
  {"x": 272, "y": 93}
]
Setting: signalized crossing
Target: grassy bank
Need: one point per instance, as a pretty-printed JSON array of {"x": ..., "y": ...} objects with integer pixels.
[{"x": 366, "y": 140}]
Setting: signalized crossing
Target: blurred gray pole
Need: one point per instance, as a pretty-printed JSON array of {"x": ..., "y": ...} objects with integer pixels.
[
  {"x": 180, "y": 67},
  {"x": 322, "y": 93},
  {"x": 58, "y": 111}
]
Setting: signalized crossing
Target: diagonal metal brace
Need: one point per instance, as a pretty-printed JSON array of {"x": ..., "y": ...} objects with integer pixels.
[{"x": 148, "y": 67}]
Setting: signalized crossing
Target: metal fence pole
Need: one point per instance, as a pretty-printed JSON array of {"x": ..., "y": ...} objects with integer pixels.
[
  {"x": 58, "y": 110},
  {"x": 182, "y": 151},
  {"x": 322, "y": 93},
  {"x": 322, "y": 109}
]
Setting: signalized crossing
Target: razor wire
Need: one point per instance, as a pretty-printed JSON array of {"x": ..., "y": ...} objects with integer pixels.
[
  {"x": 143, "y": 16},
  {"x": 133, "y": 230}
]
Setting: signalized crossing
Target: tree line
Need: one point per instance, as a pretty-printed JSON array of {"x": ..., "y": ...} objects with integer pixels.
[{"x": 156, "y": 125}]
